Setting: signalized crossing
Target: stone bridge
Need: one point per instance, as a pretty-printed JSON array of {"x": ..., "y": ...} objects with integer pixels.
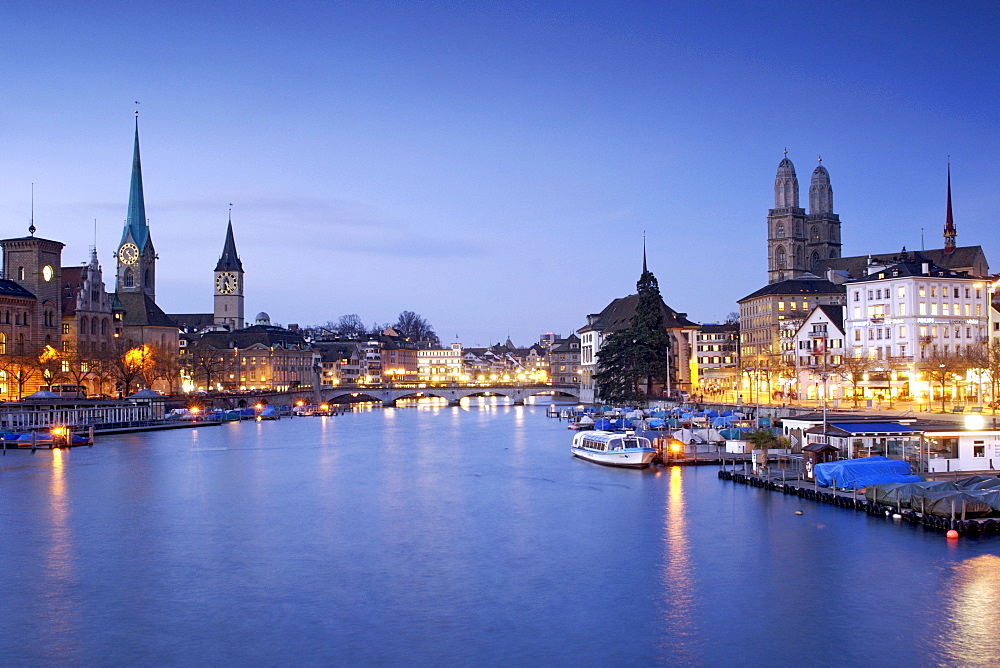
[{"x": 387, "y": 395}]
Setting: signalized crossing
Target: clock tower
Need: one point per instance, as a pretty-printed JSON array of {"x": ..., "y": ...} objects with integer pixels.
[
  {"x": 136, "y": 256},
  {"x": 229, "y": 284}
]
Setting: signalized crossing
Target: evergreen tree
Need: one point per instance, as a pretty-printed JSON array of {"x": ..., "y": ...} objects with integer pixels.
[{"x": 633, "y": 359}]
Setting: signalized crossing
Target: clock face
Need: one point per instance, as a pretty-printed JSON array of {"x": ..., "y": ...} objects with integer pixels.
[
  {"x": 226, "y": 283},
  {"x": 47, "y": 273},
  {"x": 128, "y": 253}
]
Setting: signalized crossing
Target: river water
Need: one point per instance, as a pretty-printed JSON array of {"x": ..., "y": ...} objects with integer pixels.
[{"x": 456, "y": 536}]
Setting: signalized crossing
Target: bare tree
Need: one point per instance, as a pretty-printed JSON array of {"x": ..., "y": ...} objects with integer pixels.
[
  {"x": 852, "y": 368},
  {"x": 941, "y": 367},
  {"x": 415, "y": 328},
  {"x": 351, "y": 327}
]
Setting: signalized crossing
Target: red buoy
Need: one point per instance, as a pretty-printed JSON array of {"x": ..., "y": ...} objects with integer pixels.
[{"x": 952, "y": 533}]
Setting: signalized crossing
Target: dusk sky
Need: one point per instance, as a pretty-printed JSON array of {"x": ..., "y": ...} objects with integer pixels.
[{"x": 491, "y": 165}]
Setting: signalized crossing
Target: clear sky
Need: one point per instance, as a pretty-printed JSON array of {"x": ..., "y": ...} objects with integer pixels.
[{"x": 491, "y": 165}]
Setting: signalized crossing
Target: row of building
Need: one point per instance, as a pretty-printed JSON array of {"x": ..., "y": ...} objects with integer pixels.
[
  {"x": 909, "y": 325},
  {"x": 796, "y": 337}
]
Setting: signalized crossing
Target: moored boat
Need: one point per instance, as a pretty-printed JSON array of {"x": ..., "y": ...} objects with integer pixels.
[{"x": 612, "y": 448}]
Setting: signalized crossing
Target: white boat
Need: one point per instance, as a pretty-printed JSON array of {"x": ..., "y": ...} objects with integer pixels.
[{"x": 613, "y": 448}]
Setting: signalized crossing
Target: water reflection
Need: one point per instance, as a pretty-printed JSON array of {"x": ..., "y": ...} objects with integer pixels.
[
  {"x": 58, "y": 565},
  {"x": 973, "y": 614},
  {"x": 679, "y": 583}
]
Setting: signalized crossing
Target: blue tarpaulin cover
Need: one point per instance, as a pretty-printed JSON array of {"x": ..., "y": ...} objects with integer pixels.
[{"x": 851, "y": 473}]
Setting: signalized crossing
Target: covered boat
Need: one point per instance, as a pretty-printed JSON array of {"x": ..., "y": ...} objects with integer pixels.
[
  {"x": 864, "y": 471},
  {"x": 612, "y": 448}
]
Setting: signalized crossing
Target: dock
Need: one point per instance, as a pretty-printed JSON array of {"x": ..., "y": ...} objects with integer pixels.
[{"x": 810, "y": 491}]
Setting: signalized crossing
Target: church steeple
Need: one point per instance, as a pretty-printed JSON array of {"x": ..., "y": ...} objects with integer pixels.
[
  {"x": 820, "y": 191},
  {"x": 229, "y": 308},
  {"x": 136, "y": 255},
  {"x": 230, "y": 259},
  {"x": 136, "y": 223},
  {"x": 949, "y": 223}
]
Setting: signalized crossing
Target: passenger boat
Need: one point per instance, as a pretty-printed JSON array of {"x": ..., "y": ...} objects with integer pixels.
[{"x": 613, "y": 448}]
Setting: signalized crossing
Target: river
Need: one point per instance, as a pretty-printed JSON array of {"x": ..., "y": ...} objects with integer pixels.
[{"x": 437, "y": 535}]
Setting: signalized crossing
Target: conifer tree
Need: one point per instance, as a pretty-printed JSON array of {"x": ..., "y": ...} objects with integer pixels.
[{"x": 633, "y": 359}]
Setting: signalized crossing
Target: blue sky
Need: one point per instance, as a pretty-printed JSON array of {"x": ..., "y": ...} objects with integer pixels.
[{"x": 491, "y": 165}]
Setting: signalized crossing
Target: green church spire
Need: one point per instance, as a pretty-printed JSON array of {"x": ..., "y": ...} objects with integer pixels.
[{"x": 136, "y": 221}]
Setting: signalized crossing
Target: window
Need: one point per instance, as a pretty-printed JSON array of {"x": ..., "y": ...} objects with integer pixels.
[
  {"x": 857, "y": 295},
  {"x": 901, "y": 291},
  {"x": 978, "y": 450}
]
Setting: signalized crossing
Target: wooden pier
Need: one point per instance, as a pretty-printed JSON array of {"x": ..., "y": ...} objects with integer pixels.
[{"x": 809, "y": 490}]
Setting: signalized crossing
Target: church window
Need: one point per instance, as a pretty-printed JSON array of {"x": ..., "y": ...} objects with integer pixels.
[
  {"x": 815, "y": 233},
  {"x": 83, "y": 325},
  {"x": 780, "y": 257},
  {"x": 781, "y": 229},
  {"x": 129, "y": 279},
  {"x": 815, "y": 261}
]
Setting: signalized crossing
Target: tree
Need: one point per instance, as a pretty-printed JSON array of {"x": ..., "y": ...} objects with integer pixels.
[
  {"x": 80, "y": 366},
  {"x": 351, "y": 327},
  {"x": 411, "y": 326},
  {"x": 941, "y": 367},
  {"x": 637, "y": 353},
  {"x": 853, "y": 368}
]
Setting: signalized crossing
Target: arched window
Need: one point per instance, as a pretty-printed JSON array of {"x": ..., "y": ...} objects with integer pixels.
[
  {"x": 779, "y": 258},
  {"x": 781, "y": 230},
  {"x": 815, "y": 261},
  {"x": 83, "y": 325},
  {"x": 128, "y": 279},
  {"x": 815, "y": 233},
  {"x": 104, "y": 327},
  {"x": 93, "y": 327}
]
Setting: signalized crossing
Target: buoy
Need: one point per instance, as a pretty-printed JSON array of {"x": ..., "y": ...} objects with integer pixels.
[
  {"x": 897, "y": 516},
  {"x": 798, "y": 512},
  {"x": 952, "y": 533}
]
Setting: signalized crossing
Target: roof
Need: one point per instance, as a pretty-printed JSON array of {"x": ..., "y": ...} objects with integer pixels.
[
  {"x": 618, "y": 315},
  {"x": 834, "y": 313},
  {"x": 964, "y": 258},
  {"x": 230, "y": 259},
  {"x": 9, "y": 288},
  {"x": 263, "y": 335},
  {"x": 803, "y": 285},
  {"x": 72, "y": 284},
  {"x": 193, "y": 321},
  {"x": 142, "y": 311},
  {"x": 911, "y": 268},
  {"x": 866, "y": 428}
]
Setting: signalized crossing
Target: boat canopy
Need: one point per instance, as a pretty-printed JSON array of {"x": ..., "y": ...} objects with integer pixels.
[{"x": 861, "y": 472}]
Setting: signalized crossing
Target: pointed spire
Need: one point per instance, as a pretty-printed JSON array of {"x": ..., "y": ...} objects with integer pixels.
[
  {"x": 949, "y": 222},
  {"x": 230, "y": 259},
  {"x": 136, "y": 221},
  {"x": 31, "y": 226},
  {"x": 644, "y": 270}
]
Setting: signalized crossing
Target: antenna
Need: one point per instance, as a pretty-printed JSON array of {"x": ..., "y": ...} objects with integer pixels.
[{"x": 31, "y": 227}]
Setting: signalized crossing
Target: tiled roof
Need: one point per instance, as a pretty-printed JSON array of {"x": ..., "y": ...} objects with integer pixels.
[
  {"x": 11, "y": 289},
  {"x": 142, "y": 311},
  {"x": 618, "y": 315},
  {"x": 798, "y": 286}
]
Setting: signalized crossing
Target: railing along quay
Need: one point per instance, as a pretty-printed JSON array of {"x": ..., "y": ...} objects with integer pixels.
[{"x": 810, "y": 491}]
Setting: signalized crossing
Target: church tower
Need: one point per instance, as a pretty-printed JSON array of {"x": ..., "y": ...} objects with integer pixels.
[
  {"x": 823, "y": 225},
  {"x": 229, "y": 284},
  {"x": 786, "y": 228},
  {"x": 949, "y": 222},
  {"x": 136, "y": 256}
]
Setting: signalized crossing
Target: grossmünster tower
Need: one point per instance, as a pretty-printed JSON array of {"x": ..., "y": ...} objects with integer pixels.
[{"x": 797, "y": 242}]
